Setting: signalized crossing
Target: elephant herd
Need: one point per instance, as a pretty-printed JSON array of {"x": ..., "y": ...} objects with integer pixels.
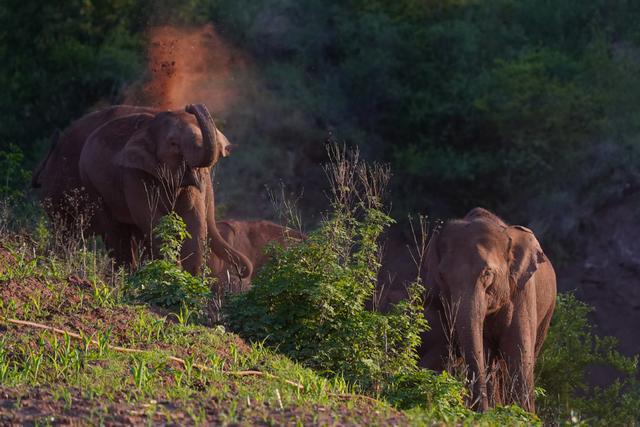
[{"x": 491, "y": 289}]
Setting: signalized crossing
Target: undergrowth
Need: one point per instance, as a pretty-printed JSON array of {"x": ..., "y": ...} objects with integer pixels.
[
  {"x": 221, "y": 381},
  {"x": 570, "y": 350},
  {"x": 308, "y": 303},
  {"x": 162, "y": 282}
]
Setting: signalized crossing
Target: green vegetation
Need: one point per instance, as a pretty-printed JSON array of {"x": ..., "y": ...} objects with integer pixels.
[
  {"x": 162, "y": 282},
  {"x": 219, "y": 378},
  {"x": 530, "y": 108},
  {"x": 521, "y": 107},
  {"x": 570, "y": 350},
  {"x": 309, "y": 303}
]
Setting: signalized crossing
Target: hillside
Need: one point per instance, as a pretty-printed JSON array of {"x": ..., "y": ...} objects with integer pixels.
[
  {"x": 102, "y": 361},
  {"x": 529, "y": 109}
]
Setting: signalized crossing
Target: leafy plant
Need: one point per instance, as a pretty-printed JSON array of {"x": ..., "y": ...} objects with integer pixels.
[
  {"x": 309, "y": 301},
  {"x": 13, "y": 177},
  {"x": 570, "y": 349},
  {"x": 162, "y": 282},
  {"x": 442, "y": 394}
]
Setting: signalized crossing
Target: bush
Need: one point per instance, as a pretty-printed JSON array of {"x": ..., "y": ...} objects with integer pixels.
[
  {"x": 162, "y": 282},
  {"x": 430, "y": 397},
  {"x": 440, "y": 393},
  {"x": 570, "y": 349},
  {"x": 309, "y": 301}
]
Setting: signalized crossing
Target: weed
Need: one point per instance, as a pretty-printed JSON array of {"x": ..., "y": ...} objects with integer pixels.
[
  {"x": 140, "y": 373},
  {"x": 162, "y": 282}
]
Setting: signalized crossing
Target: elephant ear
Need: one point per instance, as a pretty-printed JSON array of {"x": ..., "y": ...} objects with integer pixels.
[
  {"x": 525, "y": 254},
  {"x": 139, "y": 150},
  {"x": 139, "y": 153}
]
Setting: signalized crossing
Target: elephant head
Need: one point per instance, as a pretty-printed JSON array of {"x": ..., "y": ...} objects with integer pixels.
[
  {"x": 476, "y": 265},
  {"x": 174, "y": 139}
]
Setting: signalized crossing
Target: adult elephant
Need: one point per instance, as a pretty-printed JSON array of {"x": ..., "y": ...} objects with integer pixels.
[
  {"x": 250, "y": 238},
  {"x": 501, "y": 291},
  {"x": 58, "y": 174},
  {"x": 135, "y": 164}
]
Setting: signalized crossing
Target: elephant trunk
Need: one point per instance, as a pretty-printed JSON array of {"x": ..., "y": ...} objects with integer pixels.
[
  {"x": 225, "y": 251},
  {"x": 219, "y": 246},
  {"x": 469, "y": 325},
  {"x": 207, "y": 154}
]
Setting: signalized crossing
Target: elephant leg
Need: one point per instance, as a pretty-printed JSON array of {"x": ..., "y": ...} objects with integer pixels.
[
  {"x": 117, "y": 238},
  {"x": 143, "y": 213},
  {"x": 434, "y": 349},
  {"x": 190, "y": 206},
  {"x": 518, "y": 349},
  {"x": 497, "y": 379},
  {"x": 543, "y": 329}
]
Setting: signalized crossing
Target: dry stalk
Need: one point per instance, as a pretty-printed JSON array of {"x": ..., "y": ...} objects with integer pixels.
[
  {"x": 286, "y": 208},
  {"x": 170, "y": 182}
]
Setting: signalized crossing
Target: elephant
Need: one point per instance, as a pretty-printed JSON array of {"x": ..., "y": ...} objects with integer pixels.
[
  {"x": 499, "y": 289},
  {"x": 58, "y": 173},
  {"x": 120, "y": 156},
  {"x": 250, "y": 238}
]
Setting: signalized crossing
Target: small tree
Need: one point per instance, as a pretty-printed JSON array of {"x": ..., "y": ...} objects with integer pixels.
[
  {"x": 161, "y": 281},
  {"x": 309, "y": 301}
]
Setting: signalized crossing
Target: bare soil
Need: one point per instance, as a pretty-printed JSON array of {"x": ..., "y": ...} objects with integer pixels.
[{"x": 38, "y": 406}]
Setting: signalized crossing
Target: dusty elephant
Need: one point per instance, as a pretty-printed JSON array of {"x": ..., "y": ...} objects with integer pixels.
[
  {"x": 500, "y": 290},
  {"x": 122, "y": 155},
  {"x": 250, "y": 238}
]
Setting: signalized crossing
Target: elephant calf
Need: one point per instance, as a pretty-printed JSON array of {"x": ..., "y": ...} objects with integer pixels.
[
  {"x": 250, "y": 238},
  {"x": 499, "y": 289}
]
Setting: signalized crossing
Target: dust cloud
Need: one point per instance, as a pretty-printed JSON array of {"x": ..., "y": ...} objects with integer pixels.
[{"x": 188, "y": 65}]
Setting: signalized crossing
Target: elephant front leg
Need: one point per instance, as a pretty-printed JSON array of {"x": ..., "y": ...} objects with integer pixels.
[
  {"x": 190, "y": 206},
  {"x": 517, "y": 348},
  {"x": 143, "y": 209}
]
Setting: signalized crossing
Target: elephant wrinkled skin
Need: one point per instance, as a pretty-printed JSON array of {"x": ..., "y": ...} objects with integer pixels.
[{"x": 119, "y": 156}]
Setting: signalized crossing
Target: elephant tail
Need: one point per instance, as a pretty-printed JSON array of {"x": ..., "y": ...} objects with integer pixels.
[{"x": 35, "y": 178}]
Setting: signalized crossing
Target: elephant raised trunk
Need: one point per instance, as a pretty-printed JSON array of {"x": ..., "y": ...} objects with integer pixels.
[{"x": 207, "y": 154}]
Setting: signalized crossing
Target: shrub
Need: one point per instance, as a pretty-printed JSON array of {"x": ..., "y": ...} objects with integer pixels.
[
  {"x": 570, "y": 349},
  {"x": 309, "y": 301},
  {"x": 442, "y": 394},
  {"x": 431, "y": 397},
  {"x": 161, "y": 281}
]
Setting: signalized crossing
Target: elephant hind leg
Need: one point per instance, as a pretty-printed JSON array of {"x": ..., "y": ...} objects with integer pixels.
[
  {"x": 117, "y": 238},
  {"x": 542, "y": 331}
]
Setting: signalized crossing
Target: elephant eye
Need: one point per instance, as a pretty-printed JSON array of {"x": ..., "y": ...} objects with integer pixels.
[{"x": 487, "y": 276}]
